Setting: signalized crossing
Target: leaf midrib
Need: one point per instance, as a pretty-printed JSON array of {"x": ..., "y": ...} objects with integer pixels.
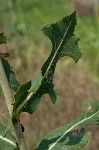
[
  {"x": 23, "y": 104},
  {"x": 7, "y": 140},
  {"x": 57, "y": 49},
  {"x": 31, "y": 93},
  {"x": 75, "y": 125}
]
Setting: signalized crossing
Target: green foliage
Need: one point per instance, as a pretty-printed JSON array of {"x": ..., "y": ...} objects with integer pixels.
[
  {"x": 14, "y": 84},
  {"x": 28, "y": 96},
  {"x": 64, "y": 43},
  {"x": 73, "y": 136},
  {"x": 7, "y": 142}
]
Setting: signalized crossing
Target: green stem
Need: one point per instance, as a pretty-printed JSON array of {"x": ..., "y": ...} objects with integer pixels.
[
  {"x": 9, "y": 98},
  {"x": 6, "y": 88}
]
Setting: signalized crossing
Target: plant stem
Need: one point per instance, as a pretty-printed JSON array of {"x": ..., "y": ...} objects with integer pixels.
[
  {"x": 6, "y": 88},
  {"x": 19, "y": 134},
  {"x": 9, "y": 99}
]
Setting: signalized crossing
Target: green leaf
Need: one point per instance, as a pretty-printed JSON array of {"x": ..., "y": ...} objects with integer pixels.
[
  {"x": 69, "y": 142},
  {"x": 36, "y": 82},
  {"x": 7, "y": 142},
  {"x": 2, "y": 38},
  {"x": 73, "y": 136},
  {"x": 64, "y": 43},
  {"x": 14, "y": 84}
]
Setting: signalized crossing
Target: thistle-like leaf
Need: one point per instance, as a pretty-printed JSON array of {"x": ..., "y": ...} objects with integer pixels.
[
  {"x": 7, "y": 142},
  {"x": 72, "y": 136},
  {"x": 64, "y": 43}
]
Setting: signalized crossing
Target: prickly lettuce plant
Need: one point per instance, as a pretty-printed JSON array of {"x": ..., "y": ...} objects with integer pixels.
[{"x": 27, "y": 97}]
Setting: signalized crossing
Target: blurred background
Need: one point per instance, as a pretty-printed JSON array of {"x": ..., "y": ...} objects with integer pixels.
[{"x": 21, "y": 22}]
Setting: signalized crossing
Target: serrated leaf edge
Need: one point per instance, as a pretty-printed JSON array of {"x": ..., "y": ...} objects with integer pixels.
[
  {"x": 57, "y": 49},
  {"x": 45, "y": 74}
]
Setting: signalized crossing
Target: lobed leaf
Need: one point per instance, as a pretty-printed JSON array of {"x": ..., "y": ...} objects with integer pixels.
[
  {"x": 7, "y": 142},
  {"x": 64, "y": 43},
  {"x": 73, "y": 135}
]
